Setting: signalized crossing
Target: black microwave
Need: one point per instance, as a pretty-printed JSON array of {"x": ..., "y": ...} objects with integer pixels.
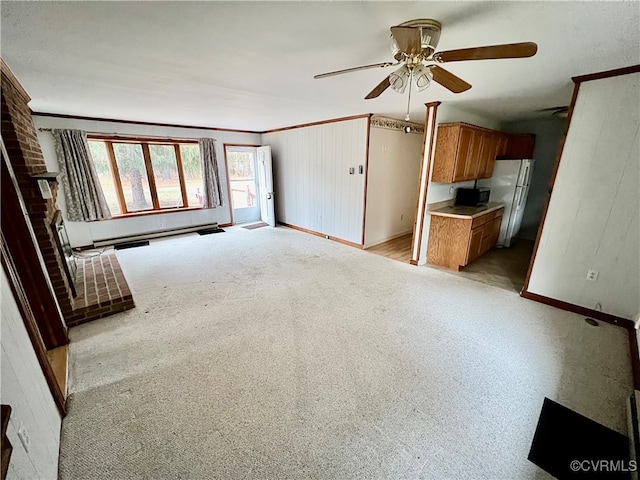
[{"x": 472, "y": 197}]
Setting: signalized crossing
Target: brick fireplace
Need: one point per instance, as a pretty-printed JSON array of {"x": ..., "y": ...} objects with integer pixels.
[{"x": 21, "y": 141}]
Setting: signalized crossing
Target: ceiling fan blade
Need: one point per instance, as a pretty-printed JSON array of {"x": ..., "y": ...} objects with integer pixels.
[
  {"x": 448, "y": 80},
  {"x": 408, "y": 39},
  {"x": 508, "y": 50},
  {"x": 551, "y": 109},
  {"x": 355, "y": 69},
  {"x": 377, "y": 91}
]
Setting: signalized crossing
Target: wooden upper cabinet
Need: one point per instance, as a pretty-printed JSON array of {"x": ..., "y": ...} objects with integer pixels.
[
  {"x": 474, "y": 159},
  {"x": 444, "y": 162},
  {"x": 520, "y": 146},
  {"x": 461, "y": 156},
  {"x": 487, "y": 156},
  {"x": 501, "y": 147},
  {"x": 464, "y": 152}
]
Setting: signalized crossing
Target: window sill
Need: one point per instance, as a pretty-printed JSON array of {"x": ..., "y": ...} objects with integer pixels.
[{"x": 153, "y": 212}]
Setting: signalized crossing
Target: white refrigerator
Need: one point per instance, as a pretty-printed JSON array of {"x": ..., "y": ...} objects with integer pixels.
[{"x": 510, "y": 186}]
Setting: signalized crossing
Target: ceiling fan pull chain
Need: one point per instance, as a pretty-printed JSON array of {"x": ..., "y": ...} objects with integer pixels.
[{"x": 409, "y": 97}]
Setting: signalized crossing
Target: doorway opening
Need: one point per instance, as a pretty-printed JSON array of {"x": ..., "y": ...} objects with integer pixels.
[{"x": 243, "y": 183}]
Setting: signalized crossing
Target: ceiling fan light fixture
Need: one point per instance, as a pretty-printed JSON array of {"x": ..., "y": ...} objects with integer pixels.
[
  {"x": 423, "y": 77},
  {"x": 395, "y": 49},
  {"x": 429, "y": 34},
  {"x": 399, "y": 79}
]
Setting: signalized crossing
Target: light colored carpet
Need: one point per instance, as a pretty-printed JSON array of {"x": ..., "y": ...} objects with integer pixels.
[{"x": 276, "y": 354}]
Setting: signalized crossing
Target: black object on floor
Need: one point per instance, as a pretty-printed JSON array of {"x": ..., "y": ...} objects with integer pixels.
[
  {"x": 122, "y": 246},
  {"x": 571, "y": 446},
  {"x": 208, "y": 231}
]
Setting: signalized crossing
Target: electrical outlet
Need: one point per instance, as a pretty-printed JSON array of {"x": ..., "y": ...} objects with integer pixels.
[
  {"x": 402, "y": 216},
  {"x": 23, "y": 435},
  {"x": 592, "y": 275},
  {"x": 451, "y": 190}
]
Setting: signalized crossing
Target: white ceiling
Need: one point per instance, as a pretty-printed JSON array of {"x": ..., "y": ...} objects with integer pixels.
[{"x": 249, "y": 65}]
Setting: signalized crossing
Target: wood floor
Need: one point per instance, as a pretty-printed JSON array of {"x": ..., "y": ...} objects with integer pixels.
[
  {"x": 396, "y": 249},
  {"x": 58, "y": 359},
  {"x": 502, "y": 267}
]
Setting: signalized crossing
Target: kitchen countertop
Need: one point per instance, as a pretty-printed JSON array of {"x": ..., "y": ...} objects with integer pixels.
[{"x": 459, "y": 211}]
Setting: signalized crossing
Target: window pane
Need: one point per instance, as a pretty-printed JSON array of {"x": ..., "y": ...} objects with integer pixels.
[
  {"x": 190, "y": 154},
  {"x": 133, "y": 176},
  {"x": 242, "y": 178},
  {"x": 165, "y": 173},
  {"x": 101, "y": 161}
]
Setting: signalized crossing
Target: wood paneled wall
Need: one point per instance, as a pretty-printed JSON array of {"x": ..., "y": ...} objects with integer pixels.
[
  {"x": 314, "y": 189},
  {"x": 593, "y": 218},
  {"x": 25, "y": 388}
]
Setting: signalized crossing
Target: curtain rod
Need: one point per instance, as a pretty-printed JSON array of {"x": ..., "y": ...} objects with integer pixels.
[{"x": 133, "y": 136}]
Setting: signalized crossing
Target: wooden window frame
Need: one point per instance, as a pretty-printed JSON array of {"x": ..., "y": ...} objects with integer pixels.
[{"x": 144, "y": 143}]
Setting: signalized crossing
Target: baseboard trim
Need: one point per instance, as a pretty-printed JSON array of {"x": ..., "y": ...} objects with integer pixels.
[
  {"x": 318, "y": 234},
  {"x": 587, "y": 312}
]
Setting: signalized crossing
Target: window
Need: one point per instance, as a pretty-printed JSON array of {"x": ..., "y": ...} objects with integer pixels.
[{"x": 140, "y": 176}]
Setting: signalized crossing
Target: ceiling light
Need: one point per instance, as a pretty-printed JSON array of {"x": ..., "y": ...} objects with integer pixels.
[
  {"x": 423, "y": 77},
  {"x": 399, "y": 79}
]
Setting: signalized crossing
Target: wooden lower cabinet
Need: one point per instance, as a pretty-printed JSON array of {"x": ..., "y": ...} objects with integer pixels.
[
  {"x": 456, "y": 241},
  {"x": 475, "y": 244}
]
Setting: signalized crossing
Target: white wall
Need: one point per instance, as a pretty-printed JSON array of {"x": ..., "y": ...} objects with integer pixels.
[
  {"x": 593, "y": 221},
  {"x": 548, "y": 132},
  {"x": 85, "y": 233},
  {"x": 313, "y": 187},
  {"x": 392, "y": 184},
  {"x": 25, "y": 389},
  {"x": 448, "y": 113},
  {"x": 439, "y": 192}
]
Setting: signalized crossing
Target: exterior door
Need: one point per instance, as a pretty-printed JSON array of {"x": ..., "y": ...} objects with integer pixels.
[
  {"x": 265, "y": 186},
  {"x": 243, "y": 183}
]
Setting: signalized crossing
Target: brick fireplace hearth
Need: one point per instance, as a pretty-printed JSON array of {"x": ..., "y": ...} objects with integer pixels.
[
  {"x": 102, "y": 289},
  {"x": 23, "y": 148}
]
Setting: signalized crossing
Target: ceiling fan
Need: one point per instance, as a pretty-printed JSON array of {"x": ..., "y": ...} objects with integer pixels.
[
  {"x": 414, "y": 42},
  {"x": 561, "y": 111}
]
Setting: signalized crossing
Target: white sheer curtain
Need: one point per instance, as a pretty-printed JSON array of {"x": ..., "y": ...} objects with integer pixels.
[
  {"x": 82, "y": 190},
  {"x": 212, "y": 196}
]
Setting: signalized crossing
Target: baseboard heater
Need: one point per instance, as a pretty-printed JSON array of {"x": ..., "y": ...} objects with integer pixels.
[{"x": 155, "y": 234}]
